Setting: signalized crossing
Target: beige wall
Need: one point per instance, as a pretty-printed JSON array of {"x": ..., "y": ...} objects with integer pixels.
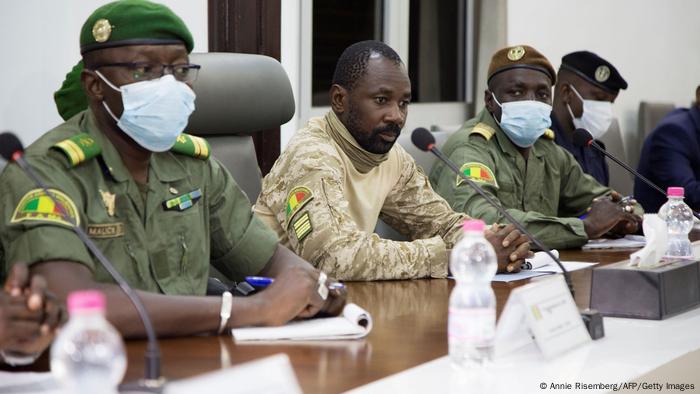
[
  {"x": 654, "y": 43},
  {"x": 41, "y": 44}
]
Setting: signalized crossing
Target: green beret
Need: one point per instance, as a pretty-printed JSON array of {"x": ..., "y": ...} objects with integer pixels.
[
  {"x": 121, "y": 23},
  {"x": 70, "y": 98},
  {"x": 520, "y": 56},
  {"x": 133, "y": 22}
]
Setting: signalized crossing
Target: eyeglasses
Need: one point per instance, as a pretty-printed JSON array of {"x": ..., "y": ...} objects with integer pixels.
[{"x": 145, "y": 71}]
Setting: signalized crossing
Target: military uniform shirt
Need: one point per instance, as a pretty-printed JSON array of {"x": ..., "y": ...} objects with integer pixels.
[
  {"x": 591, "y": 161},
  {"x": 325, "y": 210},
  {"x": 547, "y": 193},
  {"x": 671, "y": 157},
  {"x": 154, "y": 248}
]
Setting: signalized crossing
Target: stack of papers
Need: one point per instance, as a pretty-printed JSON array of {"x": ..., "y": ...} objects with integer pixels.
[
  {"x": 353, "y": 323},
  {"x": 629, "y": 241}
]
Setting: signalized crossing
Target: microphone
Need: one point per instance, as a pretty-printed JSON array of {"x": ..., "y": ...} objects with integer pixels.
[
  {"x": 425, "y": 141},
  {"x": 11, "y": 150},
  {"x": 582, "y": 138}
]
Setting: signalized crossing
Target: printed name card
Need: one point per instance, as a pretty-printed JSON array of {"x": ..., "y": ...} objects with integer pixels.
[{"x": 545, "y": 312}]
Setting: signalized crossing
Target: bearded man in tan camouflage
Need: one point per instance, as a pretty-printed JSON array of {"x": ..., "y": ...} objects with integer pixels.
[{"x": 342, "y": 172}]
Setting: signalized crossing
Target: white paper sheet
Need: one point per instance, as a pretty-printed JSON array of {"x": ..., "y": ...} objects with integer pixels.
[
  {"x": 353, "y": 323},
  {"x": 629, "y": 241},
  {"x": 551, "y": 268}
]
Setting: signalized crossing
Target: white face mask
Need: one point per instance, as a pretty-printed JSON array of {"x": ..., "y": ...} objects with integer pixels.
[
  {"x": 597, "y": 116},
  {"x": 155, "y": 111},
  {"x": 524, "y": 121}
]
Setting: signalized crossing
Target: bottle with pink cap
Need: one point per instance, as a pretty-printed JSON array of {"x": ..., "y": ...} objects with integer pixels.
[
  {"x": 472, "y": 310},
  {"x": 88, "y": 354},
  {"x": 679, "y": 220}
]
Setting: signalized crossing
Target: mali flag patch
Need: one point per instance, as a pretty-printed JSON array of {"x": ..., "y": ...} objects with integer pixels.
[
  {"x": 296, "y": 200},
  {"x": 38, "y": 207},
  {"x": 477, "y": 172}
]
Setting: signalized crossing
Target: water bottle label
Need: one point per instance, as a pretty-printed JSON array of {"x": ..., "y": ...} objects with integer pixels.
[{"x": 475, "y": 325}]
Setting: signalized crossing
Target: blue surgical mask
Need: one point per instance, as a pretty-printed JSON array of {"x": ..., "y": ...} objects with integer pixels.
[
  {"x": 155, "y": 112},
  {"x": 524, "y": 121}
]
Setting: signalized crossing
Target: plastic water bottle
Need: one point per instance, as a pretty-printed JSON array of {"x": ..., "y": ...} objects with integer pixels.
[
  {"x": 88, "y": 354},
  {"x": 679, "y": 219},
  {"x": 472, "y": 312}
]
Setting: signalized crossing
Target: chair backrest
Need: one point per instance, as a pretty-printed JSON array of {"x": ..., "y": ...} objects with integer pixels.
[
  {"x": 620, "y": 180},
  {"x": 649, "y": 115},
  {"x": 237, "y": 95},
  {"x": 424, "y": 159}
]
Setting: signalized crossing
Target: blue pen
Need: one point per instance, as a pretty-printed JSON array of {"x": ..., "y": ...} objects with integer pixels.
[
  {"x": 263, "y": 281},
  {"x": 259, "y": 281}
]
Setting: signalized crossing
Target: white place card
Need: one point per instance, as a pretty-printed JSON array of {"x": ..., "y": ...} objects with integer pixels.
[
  {"x": 270, "y": 375},
  {"x": 545, "y": 312}
]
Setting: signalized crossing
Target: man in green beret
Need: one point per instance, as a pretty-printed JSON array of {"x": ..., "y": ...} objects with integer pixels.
[
  {"x": 509, "y": 150},
  {"x": 149, "y": 196}
]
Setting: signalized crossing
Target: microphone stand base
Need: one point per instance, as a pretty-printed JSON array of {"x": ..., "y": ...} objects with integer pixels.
[{"x": 593, "y": 321}]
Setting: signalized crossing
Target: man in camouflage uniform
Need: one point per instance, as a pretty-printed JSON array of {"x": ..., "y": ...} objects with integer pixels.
[
  {"x": 150, "y": 197},
  {"x": 342, "y": 172},
  {"x": 510, "y": 152}
]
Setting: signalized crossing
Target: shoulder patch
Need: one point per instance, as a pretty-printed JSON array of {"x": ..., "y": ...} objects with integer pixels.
[
  {"x": 477, "y": 172},
  {"x": 190, "y": 145},
  {"x": 483, "y": 130},
  {"x": 548, "y": 134},
  {"x": 36, "y": 206},
  {"x": 302, "y": 227},
  {"x": 297, "y": 198},
  {"x": 78, "y": 148}
]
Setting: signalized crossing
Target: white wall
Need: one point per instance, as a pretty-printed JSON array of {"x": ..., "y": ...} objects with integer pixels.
[
  {"x": 655, "y": 44},
  {"x": 41, "y": 44}
]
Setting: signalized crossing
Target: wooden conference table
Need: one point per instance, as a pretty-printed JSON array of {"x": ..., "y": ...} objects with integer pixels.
[{"x": 410, "y": 323}]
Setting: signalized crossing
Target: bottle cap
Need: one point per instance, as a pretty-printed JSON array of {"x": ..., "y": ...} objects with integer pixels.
[
  {"x": 86, "y": 300},
  {"x": 473, "y": 225},
  {"x": 675, "y": 192}
]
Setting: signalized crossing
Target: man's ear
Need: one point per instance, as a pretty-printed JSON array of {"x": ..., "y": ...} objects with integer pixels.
[
  {"x": 338, "y": 95},
  {"x": 489, "y": 102},
  {"x": 566, "y": 93},
  {"x": 91, "y": 85},
  {"x": 697, "y": 96}
]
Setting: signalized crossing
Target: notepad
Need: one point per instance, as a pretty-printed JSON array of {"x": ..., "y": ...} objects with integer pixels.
[{"x": 353, "y": 323}]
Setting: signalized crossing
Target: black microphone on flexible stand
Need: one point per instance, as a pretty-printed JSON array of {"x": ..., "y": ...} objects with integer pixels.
[
  {"x": 425, "y": 141},
  {"x": 582, "y": 138},
  {"x": 11, "y": 150}
]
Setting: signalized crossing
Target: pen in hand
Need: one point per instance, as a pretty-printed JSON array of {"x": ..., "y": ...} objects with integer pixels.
[{"x": 263, "y": 281}]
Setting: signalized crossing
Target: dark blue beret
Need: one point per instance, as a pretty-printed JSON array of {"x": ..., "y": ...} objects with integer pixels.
[{"x": 595, "y": 70}]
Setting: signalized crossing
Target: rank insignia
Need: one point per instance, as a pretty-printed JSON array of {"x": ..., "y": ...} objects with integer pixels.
[
  {"x": 183, "y": 202},
  {"x": 109, "y": 200},
  {"x": 296, "y": 200},
  {"x": 302, "y": 226},
  {"x": 516, "y": 53},
  {"x": 36, "y": 206},
  {"x": 101, "y": 30},
  {"x": 477, "y": 172},
  {"x": 602, "y": 73}
]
